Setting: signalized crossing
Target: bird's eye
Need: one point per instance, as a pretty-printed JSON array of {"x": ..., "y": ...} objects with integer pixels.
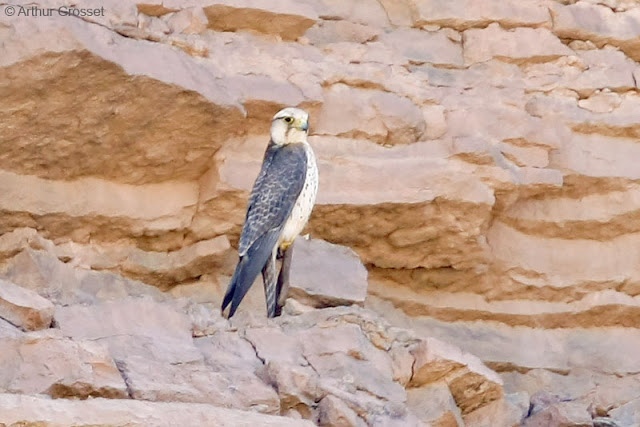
[{"x": 288, "y": 119}]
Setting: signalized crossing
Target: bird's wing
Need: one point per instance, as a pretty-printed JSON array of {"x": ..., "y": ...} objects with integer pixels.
[
  {"x": 274, "y": 193},
  {"x": 273, "y": 196}
]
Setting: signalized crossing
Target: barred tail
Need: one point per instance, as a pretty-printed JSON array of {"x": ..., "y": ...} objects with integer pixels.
[
  {"x": 248, "y": 268},
  {"x": 270, "y": 285}
]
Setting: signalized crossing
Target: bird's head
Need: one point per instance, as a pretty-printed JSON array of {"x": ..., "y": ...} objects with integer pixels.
[{"x": 289, "y": 125}]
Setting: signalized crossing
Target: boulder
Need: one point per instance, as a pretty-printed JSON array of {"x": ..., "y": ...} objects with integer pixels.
[
  {"x": 45, "y": 362},
  {"x": 24, "y": 308},
  {"x": 324, "y": 275}
]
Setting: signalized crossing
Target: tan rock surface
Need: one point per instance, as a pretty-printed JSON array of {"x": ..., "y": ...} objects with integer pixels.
[
  {"x": 563, "y": 413},
  {"x": 16, "y": 409},
  {"x": 479, "y": 157},
  {"x": 508, "y": 411},
  {"x": 327, "y": 365},
  {"x": 44, "y": 362},
  {"x": 420, "y": 47},
  {"x": 287, "y": 19},
  {"x": 434, "y": 405},
  {"x": 462, "y": 14},
  {"x": 167, "y": 269},
  {"x": 377, "y": 115},
  {"x": 20, "y": 238},
  {"x": 115, "y": 110},
  {"x": 24, "y": 308},
  {"x": 84, "y": 210},
  {"x": 325, "y": 275},
  {"x": 61, "y": 283},
  {"x": 343, "y": 352},
  {"x": 334, "y": 412},
  {"x": 471, "y": 383},
  {"x": 518, "y": 45},
  {"x": 132, "y": 327},
  {"x": 627, "y": 414},
  {"x": 196, "y": 382},
  {"x": 599, "y": 24},
  {"x": 7, "y": 330}
]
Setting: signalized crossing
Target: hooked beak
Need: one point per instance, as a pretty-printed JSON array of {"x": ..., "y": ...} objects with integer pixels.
[{"x": 305, "y": 126}]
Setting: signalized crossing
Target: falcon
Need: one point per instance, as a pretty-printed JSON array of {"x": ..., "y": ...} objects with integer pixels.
[{"x": 280, "y": 204}]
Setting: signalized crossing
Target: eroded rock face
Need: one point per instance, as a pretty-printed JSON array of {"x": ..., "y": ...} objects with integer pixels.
[
  {"x": 332, "y": 365},
  {"x": 45, "y": 362},
  {"x": 31, "y": 409},
  {"x": 479, "y": 157},
  {"x": 23, "y": 308}
]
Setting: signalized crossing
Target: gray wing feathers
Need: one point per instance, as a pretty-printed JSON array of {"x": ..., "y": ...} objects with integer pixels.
[{"x": 274, "y": 192}]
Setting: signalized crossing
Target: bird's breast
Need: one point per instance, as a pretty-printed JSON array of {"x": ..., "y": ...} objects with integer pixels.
[{"x": 304, "y": 204}]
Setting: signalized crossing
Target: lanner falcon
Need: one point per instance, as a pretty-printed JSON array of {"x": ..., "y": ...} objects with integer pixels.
[{"x": 279, "y": 207}]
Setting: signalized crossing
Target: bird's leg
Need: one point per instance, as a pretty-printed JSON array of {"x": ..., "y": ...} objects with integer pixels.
[
  {"x": 270, "y": 285},
  {"x": 283, "y": 279}
]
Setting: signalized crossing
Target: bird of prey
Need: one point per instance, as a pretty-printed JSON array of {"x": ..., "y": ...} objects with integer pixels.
[{"x": 279, "y": 207}]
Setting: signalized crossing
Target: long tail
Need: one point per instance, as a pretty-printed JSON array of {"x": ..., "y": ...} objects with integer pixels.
[
  {"x": 270, "y": 285},
  {"x": 248, "y": 268},
  {"x": 282, "y": 286}
]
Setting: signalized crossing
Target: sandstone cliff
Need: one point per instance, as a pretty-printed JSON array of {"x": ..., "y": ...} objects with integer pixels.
[{"x": 480, "y": 157}]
